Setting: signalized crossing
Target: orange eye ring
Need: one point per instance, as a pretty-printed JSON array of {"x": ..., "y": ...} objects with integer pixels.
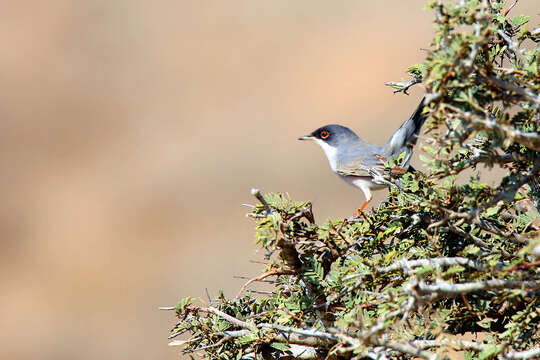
[{"x": 324, "y": 134}]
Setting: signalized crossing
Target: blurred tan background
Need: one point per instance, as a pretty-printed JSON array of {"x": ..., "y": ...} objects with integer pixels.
[{"x": 132, "y": 131}]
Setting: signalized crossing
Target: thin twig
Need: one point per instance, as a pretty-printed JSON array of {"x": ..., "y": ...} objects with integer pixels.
[
  {"x": 476, "y": 240},
  {"x": 511, "y": 7},
  {"x": 403, "y": 86},
  {"x": 249, "y": 278},
  {"x": 260, "y": 197},
  {"x": 223, "y": 315},
  {"x": 272, "y": 272},
  {"x": 512, "y": 45}
]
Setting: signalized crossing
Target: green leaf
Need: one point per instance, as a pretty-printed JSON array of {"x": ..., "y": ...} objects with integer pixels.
[
  {"x": 485, "y": 323},
  {"x": 494, "y": 210},
  {"x": 183, "y": 304},
  {"x": 413, "y": 186},
  {"x": 247, "y": 339},
  {"x": 520, "y": 20},
  {"x": 454, "y": 269},
  {"x": 280, "y": 346},
  {"x": 425, "y": 269},
  {"x": 490, "y": 351},
  {"x": 425, "y": 159},
  {"x": 499, "y": 18}
]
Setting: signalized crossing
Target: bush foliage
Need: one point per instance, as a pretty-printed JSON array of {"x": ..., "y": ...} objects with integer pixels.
[{"x": 447, "y": 263}]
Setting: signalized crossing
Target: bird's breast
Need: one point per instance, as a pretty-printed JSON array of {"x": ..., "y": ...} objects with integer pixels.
[{"x": 362, "y": 182}]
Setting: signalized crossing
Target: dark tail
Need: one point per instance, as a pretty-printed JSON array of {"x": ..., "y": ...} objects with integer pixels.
[
  {"x": 406, "y": 136},
  {"x": 418, "y": 120}
]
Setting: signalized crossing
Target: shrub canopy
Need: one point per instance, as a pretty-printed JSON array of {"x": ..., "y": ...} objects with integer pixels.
[{"x": 445, "y": 256}]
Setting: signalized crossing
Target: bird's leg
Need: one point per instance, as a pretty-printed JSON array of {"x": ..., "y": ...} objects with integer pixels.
[
  {"x": 382, "y": 159},
  {"x": 360, "y": 212},
  {"x": 365, "y": 204},
  {"x": 369, "y": 195}
]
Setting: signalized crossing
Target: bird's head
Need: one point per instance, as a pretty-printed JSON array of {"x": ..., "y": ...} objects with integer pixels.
[
  {"x": 331, "y": 135},
  {"x": 333, "y": 139}
]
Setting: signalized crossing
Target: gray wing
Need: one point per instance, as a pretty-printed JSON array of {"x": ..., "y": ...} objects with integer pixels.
[{"x": 357, "y": 161}]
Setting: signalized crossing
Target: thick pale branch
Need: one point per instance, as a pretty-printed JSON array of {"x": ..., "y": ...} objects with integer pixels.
[
  {"x": 524, "y": 93},
  {"x": 312, "y": 337},
  {"x": 407, "y": 265},
  {"x": 526, "y": 354},
  {"x": 529, "y": 139},
  {"x": 446, "y": 289},
  {"x": 406, "y": 349},
  {"x": 459, "y": 344}
]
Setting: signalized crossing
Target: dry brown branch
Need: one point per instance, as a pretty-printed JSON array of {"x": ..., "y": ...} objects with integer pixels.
[{"x": 273, "y": 272}]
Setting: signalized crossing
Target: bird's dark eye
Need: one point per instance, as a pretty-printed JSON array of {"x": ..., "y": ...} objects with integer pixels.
[{"x": 324, "y": 134}]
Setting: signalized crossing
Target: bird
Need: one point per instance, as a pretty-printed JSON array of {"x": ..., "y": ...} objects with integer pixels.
[{"x": 351, "y": 158}]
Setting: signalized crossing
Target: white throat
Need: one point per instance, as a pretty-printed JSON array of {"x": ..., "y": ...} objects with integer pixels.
[{"x": 330, "y": 153}]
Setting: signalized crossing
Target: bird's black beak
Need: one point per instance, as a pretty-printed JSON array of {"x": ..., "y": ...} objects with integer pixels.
[{"x": 307, "y": 137}]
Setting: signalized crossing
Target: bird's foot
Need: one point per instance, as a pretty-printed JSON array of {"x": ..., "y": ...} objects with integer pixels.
[{"x": 360, "y": 212}]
